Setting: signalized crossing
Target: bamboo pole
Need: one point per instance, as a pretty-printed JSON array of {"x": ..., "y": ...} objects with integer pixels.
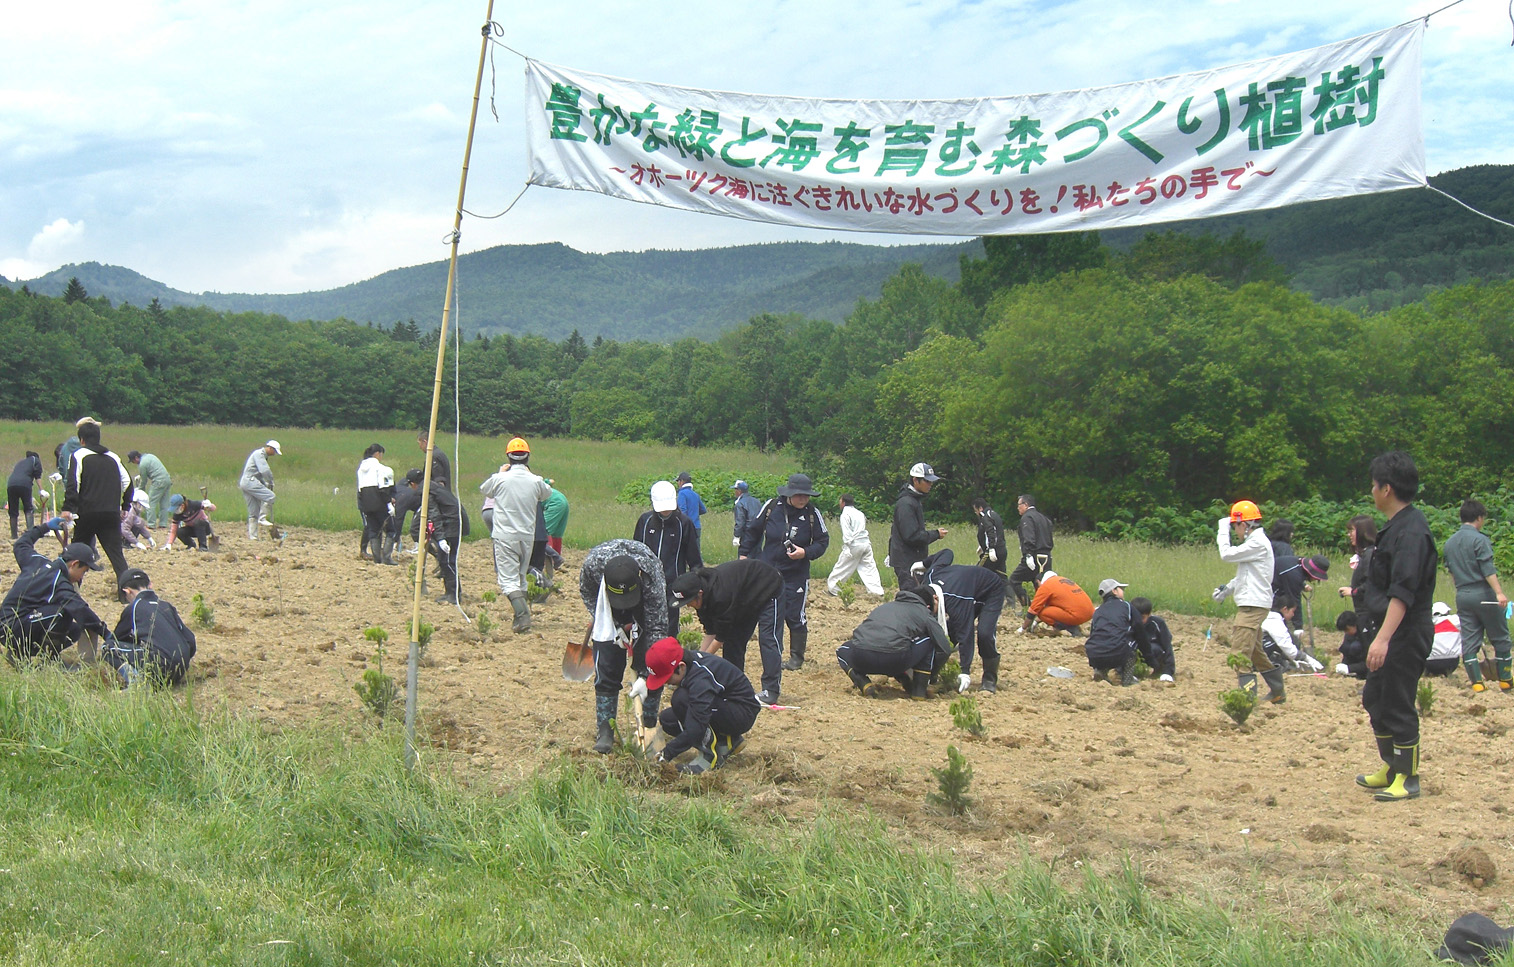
[{"x": 436, "y": 399}]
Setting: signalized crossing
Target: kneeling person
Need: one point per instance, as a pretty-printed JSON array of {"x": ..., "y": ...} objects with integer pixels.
[
  {"x": 712, "y": 709},
  {"x": 901, "y": 638},
  {"x": 151, "y": 642},
  {"x": 43, "y": 612},
  {"x": 1115, "y": 634},
  {"x": 732, "y": 601},
  {"x": 1158, "y": 652}
]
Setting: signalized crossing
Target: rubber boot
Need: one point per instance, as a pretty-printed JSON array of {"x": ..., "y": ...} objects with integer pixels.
[
  {"x": 362, "y": 547},
  {"x": 522, "y": 612},
  {"x": 1505, "y": 665},
  {"x": 1405, "y": 784},
  {"x": 604, "y": 718},
  {"x": 798, "y": 639},
  {"x": 1473, "y": 665},
  {"x": 377, "y": 544},
  {"x": 990, "y": 683},
  {"x": 1127, "y": 671},
  {"x": 1383, "y": 777},
  {"x": 918, "y": 685},
  {"x": 1274, "y": 679},
  {"x": 862, "y": 683},
  {"x": 252, "y": 528},
  {"x": 386, "y": 553}
]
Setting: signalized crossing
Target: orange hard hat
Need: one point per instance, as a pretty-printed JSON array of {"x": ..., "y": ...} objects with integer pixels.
[
  {"x": 518, "y": 445},
  {"x": 1244, "y": 510}
]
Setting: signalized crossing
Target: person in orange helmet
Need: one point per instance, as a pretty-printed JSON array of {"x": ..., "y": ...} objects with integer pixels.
[
  {"x": 516, "y": 492},
  {"x": 1252, "y": 588}
]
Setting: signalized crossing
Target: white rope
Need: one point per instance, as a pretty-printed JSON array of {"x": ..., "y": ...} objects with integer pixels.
[{"x": 1470, "y": 208}]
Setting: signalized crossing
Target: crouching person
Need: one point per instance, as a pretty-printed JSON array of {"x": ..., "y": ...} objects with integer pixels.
[
  {"x": 711, "y": 711},
  {"x": 1115, "y": 635},
  {"x": 151, "y": 644},
  {"x": 1158, "y": 654},
  {"x": 903, "y": 639},
  {"x": 43, "y": 612},
  {"x": 621, "y": 584}
]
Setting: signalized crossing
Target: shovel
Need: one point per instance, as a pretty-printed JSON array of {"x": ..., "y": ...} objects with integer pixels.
[{"x": 578, "y": 661}]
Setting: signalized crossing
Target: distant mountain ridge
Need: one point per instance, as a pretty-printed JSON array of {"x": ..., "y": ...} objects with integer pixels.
[{"x": 1366, "y": 253}]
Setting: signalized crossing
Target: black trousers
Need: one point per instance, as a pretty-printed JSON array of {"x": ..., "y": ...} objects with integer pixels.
[
  {"x": 769, "y": 645},
  {"x": 19, "y": 498},
  {"x": 726, "y": 718},
  {"x": 106, "y": 526},
  {"x": 920, "y": 655},
  {"x": 45, "y": 637},
  {"x": 1389, "y": 694},
  {"x": 195, "y": 534},
  {"x": 1159, "y": 659}
]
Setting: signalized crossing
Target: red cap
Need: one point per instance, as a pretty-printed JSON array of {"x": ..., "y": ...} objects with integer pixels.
[{"x": 662, "y": 660}]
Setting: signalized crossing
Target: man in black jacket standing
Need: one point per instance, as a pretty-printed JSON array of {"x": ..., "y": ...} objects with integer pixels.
[
  {"x": 43, "y": 613},
  {"x": 789, "y": 533},
  {"x": 1035, "y": 549},
  {"x": 732, "y": 601},
  {"x": 900, "y": 638},
  {"x": 993, "y": 553},
  {"x": 96, "y": 490},
  {"x": 151, "y": 644},
  {"x": 909, "y": 539}
]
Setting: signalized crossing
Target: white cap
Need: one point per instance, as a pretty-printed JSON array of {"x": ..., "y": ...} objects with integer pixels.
[
  {"x": 1440, "y": 609},
  {"x": 139, "y": 496},
  {"x": 924, "y": 471},
  {"x": 1048, "y": 574},
  {"x": 664, "y": 497},
  {"x": 1109, "y": 584},
  {"x": 275, "y": 445}
]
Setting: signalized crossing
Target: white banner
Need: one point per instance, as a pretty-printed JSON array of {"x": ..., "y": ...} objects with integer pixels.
[{"x": 1337, "y": 120}]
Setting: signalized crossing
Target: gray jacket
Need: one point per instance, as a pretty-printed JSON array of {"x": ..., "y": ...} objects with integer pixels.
[{"x": 257, "y": 470}]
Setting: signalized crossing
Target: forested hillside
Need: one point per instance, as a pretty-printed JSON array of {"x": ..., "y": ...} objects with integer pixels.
[
  {"x": 1109, "y": 383},
  {"x": 1367, "y": 253}
]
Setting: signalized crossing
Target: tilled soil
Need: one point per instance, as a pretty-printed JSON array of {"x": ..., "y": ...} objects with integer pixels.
[{"x": 1265, "y": 817}]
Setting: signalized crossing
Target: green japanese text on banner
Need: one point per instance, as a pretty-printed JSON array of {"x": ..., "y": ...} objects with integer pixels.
[{"x": 1338, "y": 120}]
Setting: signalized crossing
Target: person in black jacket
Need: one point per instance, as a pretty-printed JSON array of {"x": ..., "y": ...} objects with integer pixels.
[
  {"x": 443, "y": 529},
  {"x": 973, "y": 597},
  {"x": 993, "y": 552},
  {"x": 621, "y": 584},
  {"x": 190, "y": 522},
  {"x": 375, "y": 492},
  {"x": 151, "y": 642},
  {"x": 1115, "y": 635},
  {"x": 96, "y": 490},
  {"x": 1035, "y": 549},
  {"x": 1353, "y": 652},
  {"x": 900, "y": 638},
  {"x": 712, "y": 709},
  {"x": 671, "y": 535},
  {"x": 789, "y": 533},
  {"x": 909, "y": 540},
  {"x": 732, "y": 601},
  {"x": 43, "y": 613},
  {"x": 1158, "y": 653},
  {"x": 18, "y": 490}
]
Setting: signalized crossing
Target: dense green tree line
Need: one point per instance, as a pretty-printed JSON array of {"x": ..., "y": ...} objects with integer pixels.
[{"x": 1176, "y": 374}]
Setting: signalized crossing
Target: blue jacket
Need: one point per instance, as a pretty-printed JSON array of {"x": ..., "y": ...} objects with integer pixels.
[{"x": 691, "y": 504}]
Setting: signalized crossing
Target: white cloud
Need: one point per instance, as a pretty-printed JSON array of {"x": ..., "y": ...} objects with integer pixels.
[
  {"x": 22, "y": 269},
  {"x": 55, "y": 239}
]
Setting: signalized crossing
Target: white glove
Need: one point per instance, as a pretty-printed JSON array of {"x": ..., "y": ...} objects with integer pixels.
[
  {"x": 1343, "y": 669},
  {"x": 639, "y": 688},
  {"x": 1030, "y": 561},
  {"x": 1314, "y": 665},
  {"x": 444, "y": 547},
  {"x": 44, "y": 495},
  {"x": 1221, "y": 593},
  {"x": 55, "y": 476},
  {"x": 166, "y": 547},
  {"x": 993, "y": 554},
  {"x": 963, "y": 681},
  {"x": 140, "y": 546},
  {"x": 735, "y": 542}
]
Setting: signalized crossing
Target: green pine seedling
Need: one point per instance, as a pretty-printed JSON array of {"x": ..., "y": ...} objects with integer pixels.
[
  {"x": 690, "y": 638},
  {"x": 423, "y": 638},
  {"x": 536, "y": 593},
  {"x": 490, "y": 597},
  {"x": 1238, "y": 704},
  {"x": 1425, "y": 696},
  {"x": 483, "y": 623},
  {"x": 202, "y": 613},
  {"x": 951, "y": 670},
  {"x": 953, "y": 782},
  {"x": 1142, "y": 670},
  {"x": 967, "y": 717},
  {"x": 847, "y": 593},
  {"x": 377, "y": 691}
]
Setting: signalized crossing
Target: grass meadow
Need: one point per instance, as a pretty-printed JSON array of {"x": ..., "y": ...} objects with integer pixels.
[
  {"x": 140, "y": 831},
  {"x": 316, "y": 488}
]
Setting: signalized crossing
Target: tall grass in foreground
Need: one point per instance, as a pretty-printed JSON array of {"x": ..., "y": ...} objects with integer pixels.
[{"x": 136, "y": 832}]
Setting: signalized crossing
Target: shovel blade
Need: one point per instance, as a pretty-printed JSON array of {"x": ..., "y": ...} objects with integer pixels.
[{"x": 578, "y": 662}]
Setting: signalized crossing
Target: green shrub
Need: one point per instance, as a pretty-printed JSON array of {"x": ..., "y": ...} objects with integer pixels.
[{"x": 1238, "y": 703}]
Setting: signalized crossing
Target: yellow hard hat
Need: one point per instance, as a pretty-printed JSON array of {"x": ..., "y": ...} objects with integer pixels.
[{"x": 518, "y": 445}]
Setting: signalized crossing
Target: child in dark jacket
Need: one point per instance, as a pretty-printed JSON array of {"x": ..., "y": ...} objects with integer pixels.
[{"x": 1353, "y": 651}]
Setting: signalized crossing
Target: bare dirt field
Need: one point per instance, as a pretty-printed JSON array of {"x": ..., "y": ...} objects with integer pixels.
[{"x": 1074, "y": 772}]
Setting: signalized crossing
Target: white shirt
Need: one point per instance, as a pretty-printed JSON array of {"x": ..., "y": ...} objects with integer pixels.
[
  {"x": 1277, "y": 630},
  {"x": 853, "y": 527},
  {"x": 1252, "y": 586}
]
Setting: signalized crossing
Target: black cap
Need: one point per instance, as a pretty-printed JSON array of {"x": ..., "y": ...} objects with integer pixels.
[
  {"x": 685, "y": 587},
  {"x": 415, "y": 476},
  {"x": 623, "y": 581},
  {"x": 132, "y": 577},
  {"x": 684, "y": 477},
  {"x": 84, "y": 554}
]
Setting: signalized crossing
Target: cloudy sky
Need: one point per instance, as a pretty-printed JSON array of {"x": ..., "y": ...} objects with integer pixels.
[{"x": 280, "y": 146}]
